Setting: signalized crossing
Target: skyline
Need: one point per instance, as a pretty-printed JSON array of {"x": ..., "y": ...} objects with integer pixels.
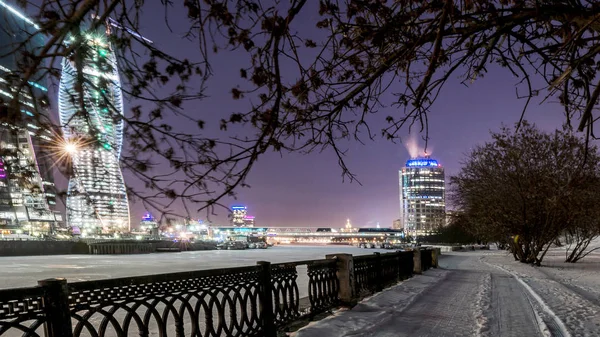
[{"x": 286, "y": 191}]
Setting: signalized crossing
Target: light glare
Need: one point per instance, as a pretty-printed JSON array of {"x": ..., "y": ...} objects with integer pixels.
[{"x": 70, "y": 148}]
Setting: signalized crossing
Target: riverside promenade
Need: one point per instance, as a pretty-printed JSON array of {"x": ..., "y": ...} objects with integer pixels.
[
  {"x": 261, "y": 299},
  {"x": 476, "y": 293},
  {"x": 471, "y": 294}
]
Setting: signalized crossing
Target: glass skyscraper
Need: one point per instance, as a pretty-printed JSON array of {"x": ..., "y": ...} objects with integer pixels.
[
  {"x": 422, "y": 196},
  {"x": 27, "y": 197},
  {"x": 97, "y": 197}
]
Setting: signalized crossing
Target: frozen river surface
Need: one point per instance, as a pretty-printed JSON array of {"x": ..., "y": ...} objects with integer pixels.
[{"x": 27, "y": 270}]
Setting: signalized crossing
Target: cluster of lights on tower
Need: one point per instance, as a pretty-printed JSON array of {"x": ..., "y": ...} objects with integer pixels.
[
  {"x": 240, "y": 217},
  {"x": 422, "y": 196},
  {"x": 27, "y": 199},
  {"x": 97, "y": 197}
]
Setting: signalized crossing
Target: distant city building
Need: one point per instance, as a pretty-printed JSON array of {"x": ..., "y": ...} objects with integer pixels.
[
  {"x": 27, "y": 193},
  {"x": 348, "y": 227},
  {"x": 238, "y": 214},
  {"x": 422, "y": 196},
  {"x": 97, "y": 197},
  {"x": 249, "y": 221},
  {"x": 149, "y": 223},
  {"x": 397, "y": 224}
]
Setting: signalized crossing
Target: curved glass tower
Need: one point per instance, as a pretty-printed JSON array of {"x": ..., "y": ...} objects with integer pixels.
[{"x": 96, "y": 197}]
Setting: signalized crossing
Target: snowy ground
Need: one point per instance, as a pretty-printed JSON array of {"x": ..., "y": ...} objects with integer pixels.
[
  {"x": 27, "y": 270},
  {"x": 568, "y": 295},
  {"x": 481, "y": 293}
]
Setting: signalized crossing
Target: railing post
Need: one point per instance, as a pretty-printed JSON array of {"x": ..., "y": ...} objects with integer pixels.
[
  {"x": 417, "y": 261},
  {"x": 378, "y": 273},
  {"x": 399, "y": 276},
  {"x": 434, "y": 258},
  {"x": 266, "y": 300},
  {"x": 345, "y": 276},
  {"x": 56, "y": 308}
]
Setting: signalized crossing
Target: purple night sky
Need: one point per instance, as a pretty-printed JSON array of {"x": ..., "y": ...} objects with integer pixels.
[{"x": 307, "y": 190}]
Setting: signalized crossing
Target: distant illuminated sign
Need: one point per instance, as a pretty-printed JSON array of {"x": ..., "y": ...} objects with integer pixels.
[
  {"x": 422, "y": 163},
  {"x": 147, "y": 217},
  {"x": 236, "y": 208}
]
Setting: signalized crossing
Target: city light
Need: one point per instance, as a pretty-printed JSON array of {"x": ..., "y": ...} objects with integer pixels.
[
  {"x": 422, "y": 199},
  {"x": 71, "y": 148},
  {"x": 63, "y": 150},
  {"x": 97, "y": 196},
  {"x": 19, "y": 14},
  {"x": 422, "y": 162},
  {"x": 239, "y": 214}
]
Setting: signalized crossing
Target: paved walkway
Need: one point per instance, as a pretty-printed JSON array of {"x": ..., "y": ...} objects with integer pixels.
[{"x": 465, "y": 297}]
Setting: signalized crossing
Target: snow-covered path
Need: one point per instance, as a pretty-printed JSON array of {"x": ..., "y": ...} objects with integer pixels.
[
  {"x": 444, "y": 310},
  {"x": 468, "y": 297},
  {"x": 567, "y": 306}
]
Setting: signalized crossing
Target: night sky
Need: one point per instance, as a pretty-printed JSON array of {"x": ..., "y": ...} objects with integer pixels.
[{"x": 307, "y": 190}]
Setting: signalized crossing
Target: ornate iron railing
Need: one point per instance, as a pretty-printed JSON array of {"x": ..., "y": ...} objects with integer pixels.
[
  {"x": 245, "y": 301},
  {"x": 288, "y": 305},
  {"x": 407, "y": 264},
  {"x": 365, "y": 274},
  {"x": 390, "y": 269},
  {"x": 222, "y": 302},
  {"x": 22, "y": 312},
  {"x": 374, "y": 272}
]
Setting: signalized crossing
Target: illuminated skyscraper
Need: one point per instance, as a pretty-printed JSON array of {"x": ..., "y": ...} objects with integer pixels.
[
  {"x": 249, "y": 221},
  {"x": 27, "y": 197},
  {"x": 238, "y": 214},
  {"x": 422, "y": 196},
  {"x": 96, "y": 199}
]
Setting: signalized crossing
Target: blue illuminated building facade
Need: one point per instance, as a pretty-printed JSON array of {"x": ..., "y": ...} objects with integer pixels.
[
  {"x": 149, "y": 224},
  {"x": 97, "y": 197},
  {"x": 422, "y": 196},
  {"x": 27, "y": 196}
]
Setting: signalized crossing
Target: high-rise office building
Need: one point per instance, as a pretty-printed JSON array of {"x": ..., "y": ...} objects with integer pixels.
[
  {"x": 27, "y": 196},
  {"x": 238, "y": 214},
  {"x": 97, "y": 197},
  {"x": 249, "y": 221},
  {"x": 422, "y": 196}
]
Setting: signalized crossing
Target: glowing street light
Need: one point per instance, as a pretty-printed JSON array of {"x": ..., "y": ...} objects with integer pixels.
[{"x": 71, "y": 148}]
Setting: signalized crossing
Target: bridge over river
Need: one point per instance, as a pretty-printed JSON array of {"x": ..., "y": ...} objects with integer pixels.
[{"x": 311, "y": 234}]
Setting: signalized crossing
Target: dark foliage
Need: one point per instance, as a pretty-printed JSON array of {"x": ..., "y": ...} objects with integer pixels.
[{"x": 527, "y": 188}]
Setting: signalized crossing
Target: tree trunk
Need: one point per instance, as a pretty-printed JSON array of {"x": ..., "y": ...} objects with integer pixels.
[{"x": 580, "y": 247}]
